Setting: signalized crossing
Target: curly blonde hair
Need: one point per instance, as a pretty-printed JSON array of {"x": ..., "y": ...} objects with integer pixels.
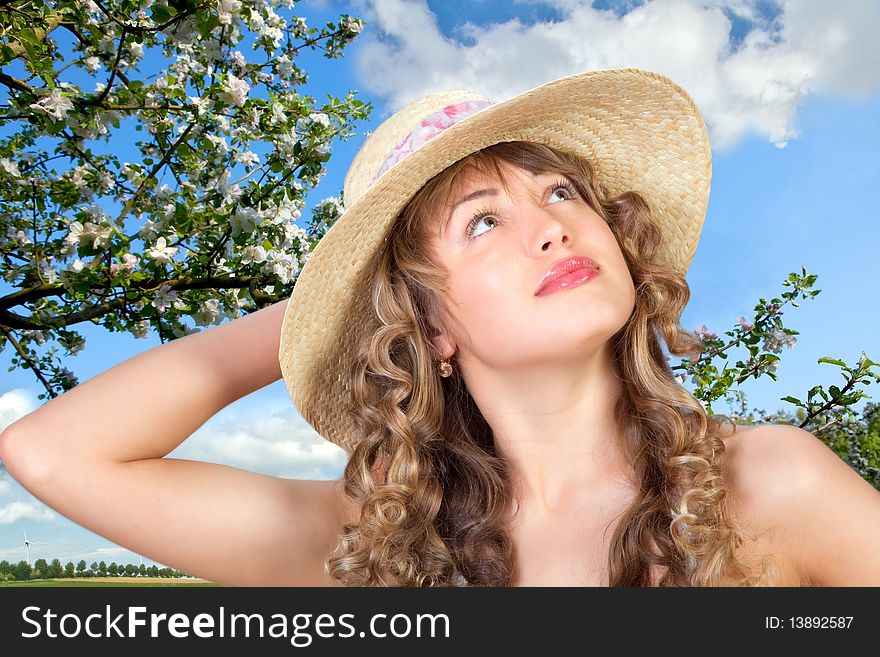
[{"x": 435, "y": 494}]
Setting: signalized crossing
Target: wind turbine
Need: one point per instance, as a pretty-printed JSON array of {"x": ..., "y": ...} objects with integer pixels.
[{"x": 27, "y": 546}]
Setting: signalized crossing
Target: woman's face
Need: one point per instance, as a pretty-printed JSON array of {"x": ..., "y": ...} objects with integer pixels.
[{"x": 498, "y": 245}]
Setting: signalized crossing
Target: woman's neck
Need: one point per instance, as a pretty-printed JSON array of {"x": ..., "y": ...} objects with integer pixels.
[{"x": 555, "y": 426}]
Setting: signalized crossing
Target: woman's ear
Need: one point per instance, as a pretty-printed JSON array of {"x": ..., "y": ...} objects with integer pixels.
[{"x": 443, "y": 344}]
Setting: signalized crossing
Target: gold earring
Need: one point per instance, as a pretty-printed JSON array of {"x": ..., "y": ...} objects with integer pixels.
[{"x": 444, "y": 368}]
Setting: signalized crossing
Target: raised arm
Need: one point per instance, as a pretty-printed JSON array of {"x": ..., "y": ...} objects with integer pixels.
[{"x": 95, "y": 454}]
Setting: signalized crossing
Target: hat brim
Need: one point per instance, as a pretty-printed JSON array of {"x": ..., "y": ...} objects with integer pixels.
[{"x": 640, "y": 131}]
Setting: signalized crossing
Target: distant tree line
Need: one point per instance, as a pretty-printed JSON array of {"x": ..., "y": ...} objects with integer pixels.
[{"x": 41, "y": 569}]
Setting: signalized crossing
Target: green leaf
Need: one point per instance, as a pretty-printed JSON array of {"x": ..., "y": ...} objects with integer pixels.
[
  {"x": 28, "y": 35},
  {"x": 832, "y": 361},
  {"x": 160, "y": 13},
  {"x": 792, "y": 400},
  {"x": 6, "y": 54},
  {"x": 207, "y": 22}
]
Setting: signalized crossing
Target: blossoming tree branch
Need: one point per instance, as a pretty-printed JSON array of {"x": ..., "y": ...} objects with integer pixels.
[
  {"x": 198, "y": 219},
  {"x": 155, "y": 158}
]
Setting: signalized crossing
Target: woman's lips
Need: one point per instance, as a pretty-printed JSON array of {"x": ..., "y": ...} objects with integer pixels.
[{"x": 572, "y": 279}]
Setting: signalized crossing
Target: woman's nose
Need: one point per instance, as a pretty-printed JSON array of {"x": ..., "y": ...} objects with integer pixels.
[{"x": 546, "y": 232}]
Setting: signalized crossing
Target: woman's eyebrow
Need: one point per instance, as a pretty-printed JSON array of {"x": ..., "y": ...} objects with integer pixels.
[{"x": 470, "y": 197}]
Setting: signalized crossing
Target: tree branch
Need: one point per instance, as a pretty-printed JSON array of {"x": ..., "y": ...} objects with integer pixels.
[
  {"x": 13, "y": 320},
  {"x": 137, "y": 29},
  {"x": 32, "y": 364},
  {"x": 107, "y": 88},
  {"x": 827, "y": 405},
  {"x": 12, "y": 83},
  {"x": 165, "y": 160}
]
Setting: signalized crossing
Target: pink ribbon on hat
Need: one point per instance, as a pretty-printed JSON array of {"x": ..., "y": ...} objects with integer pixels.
[{"x": 429, "y": 127}]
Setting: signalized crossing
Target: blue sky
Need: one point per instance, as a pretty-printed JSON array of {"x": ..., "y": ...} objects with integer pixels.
[{"x": 790, "y": 95}]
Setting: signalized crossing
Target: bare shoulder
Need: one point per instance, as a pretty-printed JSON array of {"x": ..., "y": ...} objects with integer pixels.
[
  {"x": 303, "y": 527},
  {"x": 805, "y": 504}
]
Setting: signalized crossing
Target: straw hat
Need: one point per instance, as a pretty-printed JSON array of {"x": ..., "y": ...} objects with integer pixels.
[{"x": 640, "y": 131}]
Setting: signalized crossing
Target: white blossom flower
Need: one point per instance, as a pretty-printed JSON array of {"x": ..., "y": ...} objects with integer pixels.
[
  {"x": 12, "y": 272},
  {"x": 272, "y": 34},
  {"x": 256, "y": 21},
  {"x": 161, "y": 253},
  {"x": 105, "y": 181},
  {"x": 282, "y": 265},
  {"x": 320, "y": 117},
  {"x": 76, "y": 266},
  {"x": 293, "y": 233},
  {"x": 163, "y": 192},
  {"x": 144, "y": 19},
  {"x": 219, "y": 143},
  {"x": 98, "y": 235},
  {"x": 55, "y": 104},
  {"x": 235, "y": 90},
  {"x": 253, "y": 254},
  {"x": 129, "y": 262},
  {"x": 38, "y": 336},
  {"x": 164, "y": 297},
  {"x": 10, "y": 167},
  {"x": 238, "y": 61},
  {"x": 18, "y": 236},
  {"x": 79, "y": 234},
  {"x": 225, "y": 9},
  {"x": 74, "y": 345},
  {"x": 136, "y": 50},
  {"x": 150, "y": 230},
  {"x": 278, "y": 113},
  {"x": 131, "y": 174},
  {"x": 704, "y": 333},
  {"x": 776, "y": 339},
  {"x": 92, "y": 64},
  {"x": 91, "y": 8},
  {"x": 140, "y": 329},
  {"x": 746, "y": 325},
  {"x": 200, "y": 104},
  {"x": 248, "y": 158},
  {"x": 231, "y": 193},
  {"x": 354, "y": 25},
  {"x": 283, "y": 66},
  {"x": 48, "y": 273},
  {"x": 208, "y": 313},
  {"x": 244, "y": 220}
]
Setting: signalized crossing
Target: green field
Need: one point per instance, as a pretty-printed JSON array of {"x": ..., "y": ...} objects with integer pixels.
[{"x": 112, "y": 581}]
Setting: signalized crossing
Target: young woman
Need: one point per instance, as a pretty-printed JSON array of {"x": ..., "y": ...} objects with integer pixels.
[{"x": 485, "y": 331}]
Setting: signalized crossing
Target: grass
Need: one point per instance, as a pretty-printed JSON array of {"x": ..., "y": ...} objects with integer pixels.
[{"x": 111, "y": 581}]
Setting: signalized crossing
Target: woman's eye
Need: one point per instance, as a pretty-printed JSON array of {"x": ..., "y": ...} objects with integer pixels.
[
  {"x": 481, "y": 223},
  {"x": 561, "y": 192}
]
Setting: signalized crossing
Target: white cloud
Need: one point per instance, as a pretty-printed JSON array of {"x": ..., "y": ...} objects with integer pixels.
[
  {"x": 15, "y": 404},
  {"x": 275, "y": 442},
  {"x": 752, "y": 85},
  {"x": 15, "y": 511}
]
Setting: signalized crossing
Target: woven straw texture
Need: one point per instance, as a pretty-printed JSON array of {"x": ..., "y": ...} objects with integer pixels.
[{"x": 640, "y": 130}]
